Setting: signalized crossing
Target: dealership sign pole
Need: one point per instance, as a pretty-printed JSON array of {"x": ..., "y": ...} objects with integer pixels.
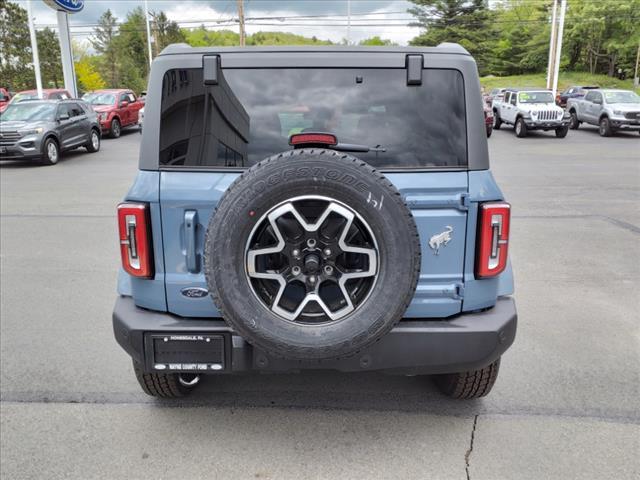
[
  {"x": 34, "y": 50},
  {"x": 64, "y": 8}
]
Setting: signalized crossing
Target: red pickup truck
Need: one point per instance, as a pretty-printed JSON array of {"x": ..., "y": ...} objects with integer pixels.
[{"x": 116, "y": 108}]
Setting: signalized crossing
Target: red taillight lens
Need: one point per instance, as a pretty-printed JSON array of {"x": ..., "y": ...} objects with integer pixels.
[
  {"x": 493, "y": 239},
  {"x": 312, "y": 139},
  {"x": 135, "y": 239}
]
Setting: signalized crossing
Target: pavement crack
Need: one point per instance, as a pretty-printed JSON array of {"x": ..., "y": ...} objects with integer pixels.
[{"x": 467, "y": 455}]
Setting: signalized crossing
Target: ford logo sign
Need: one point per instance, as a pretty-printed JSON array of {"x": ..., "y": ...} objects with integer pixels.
[
  {"x": 194, "y": 292},
  {"x": 69, "y": 6}
]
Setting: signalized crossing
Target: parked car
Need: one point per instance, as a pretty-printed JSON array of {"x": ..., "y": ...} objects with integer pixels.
[
  {"x": 5, "y": 96},
  {"x": 530, "y": 109},
  {"x": 140, "y": 118},
  {"x": 117, "y": 109},
  {"x": 572, "y": 92},
  {"x": 42, "y": 129},
  {"x": 47, "y": 94},
  {"x": 611, "y": 110},
  {"x": 488, "y": 119},
  {"x": 495, "y": 94},
  {"x": 281, "y": 221}
]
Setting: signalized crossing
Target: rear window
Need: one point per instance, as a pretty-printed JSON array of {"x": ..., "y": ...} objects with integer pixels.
[{"x": 251, "y": 114}]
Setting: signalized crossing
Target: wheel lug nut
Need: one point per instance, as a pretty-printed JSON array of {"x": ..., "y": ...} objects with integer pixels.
[
  {"x": 327, "y": 252},
  {"x": 295, "y": 253},
  {"x": 312, "y": 279},
  {"x": 311, "y": 243},
  {"x": 328, "y": 269},
  {"x": 295, "y": 270}
]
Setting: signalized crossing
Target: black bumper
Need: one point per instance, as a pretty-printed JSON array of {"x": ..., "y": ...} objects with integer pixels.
[
  {"x": 465, "y": 342},
  {"x": 546, "y": 125}
]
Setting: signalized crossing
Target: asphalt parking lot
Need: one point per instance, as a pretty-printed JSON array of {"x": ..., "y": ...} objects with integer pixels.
[{"x": 566, "y": 404}]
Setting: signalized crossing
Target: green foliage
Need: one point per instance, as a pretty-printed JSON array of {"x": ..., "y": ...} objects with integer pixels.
[
  {"x": 16, "y": 71},
  {"x": 202, "y": 37},
  {"x": 283, "y": 38},
  {"x": 567, "y": 79},
  {"x": 103, "y": 41},
  {"x": 50, "y": 62},
  {"x": 376, "y": 42},
  {"x": 88, "y": 77},
  {"x": 460, "y": 21},
  {"x": 165, "y": 32}
]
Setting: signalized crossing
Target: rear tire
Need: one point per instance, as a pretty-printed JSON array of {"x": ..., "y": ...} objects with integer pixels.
[
  {"x": 496, "y": 121},
  {"x": 604, "y": 127},
  {"x": 471, "y": 384},
  {"x": 520, "y": 128},
  {"x": 116, "y": 128},
  {"x": 165, "y": 385},
  {"x": 489, "y": 132},
  {"x": 574, "y": 123},
  {"x": 561, "y": 132}
]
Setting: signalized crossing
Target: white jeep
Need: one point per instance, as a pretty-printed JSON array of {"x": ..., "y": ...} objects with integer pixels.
[{"x": 528, "y": 109}]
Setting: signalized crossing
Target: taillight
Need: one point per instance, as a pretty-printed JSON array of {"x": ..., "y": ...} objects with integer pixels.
[
  {"x": 308, "y": 139},
  {"x": 135, "y": 239},
  {"x": 493, "y": 239}
]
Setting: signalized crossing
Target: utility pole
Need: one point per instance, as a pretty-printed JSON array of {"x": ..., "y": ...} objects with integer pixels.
[
  {"x": 563, "y": 9},
  {"x": 636, "y": 80},
  {"x": 34, "y": 50},
  {"x": 241, "y": 22},
  {"x": 146, "y": 17},
  {"x": 552, "y": 44},
  {"x": 348, "y": 22}
]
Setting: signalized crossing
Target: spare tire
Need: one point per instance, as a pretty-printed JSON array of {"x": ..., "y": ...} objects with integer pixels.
[{"x": 312, "y": 254}]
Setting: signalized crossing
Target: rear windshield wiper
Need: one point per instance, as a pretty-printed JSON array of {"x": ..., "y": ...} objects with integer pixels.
[{"x": 351, "y": 147}]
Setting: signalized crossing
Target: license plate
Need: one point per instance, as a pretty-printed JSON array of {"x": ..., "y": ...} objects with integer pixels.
[{"x": 188, "y": 352}]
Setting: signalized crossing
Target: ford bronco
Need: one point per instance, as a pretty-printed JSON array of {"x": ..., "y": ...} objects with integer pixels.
[{"x": 305, "y": 208}]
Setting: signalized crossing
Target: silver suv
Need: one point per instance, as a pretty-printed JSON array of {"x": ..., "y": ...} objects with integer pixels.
[
  {"x": 41, "y": 130},
  {"x": 530, "y": 109}
]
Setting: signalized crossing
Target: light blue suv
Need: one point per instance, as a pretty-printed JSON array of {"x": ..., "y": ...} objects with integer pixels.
[{"x": 302, "y": 208}]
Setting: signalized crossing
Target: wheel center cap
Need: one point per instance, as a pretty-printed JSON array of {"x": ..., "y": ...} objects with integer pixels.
[{"x": 311, "y": 263}]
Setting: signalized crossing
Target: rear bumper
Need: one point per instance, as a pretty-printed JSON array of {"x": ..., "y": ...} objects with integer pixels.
[{"x": 466, "y": 342}]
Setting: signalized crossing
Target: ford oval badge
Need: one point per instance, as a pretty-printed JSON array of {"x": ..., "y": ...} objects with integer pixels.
[{"x": 194, "y": 292}]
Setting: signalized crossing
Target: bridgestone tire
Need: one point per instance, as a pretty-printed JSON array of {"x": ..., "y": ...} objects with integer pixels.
[
  {"x": 162, "y": 385},
  {"x": 468, "y": 385},
  {"x": 329, "y": 174}
]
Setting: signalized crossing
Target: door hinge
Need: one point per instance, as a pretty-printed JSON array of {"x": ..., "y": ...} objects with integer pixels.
[
  {"x": 459, "y": 290},
  {"x": 465, "y": 201}
]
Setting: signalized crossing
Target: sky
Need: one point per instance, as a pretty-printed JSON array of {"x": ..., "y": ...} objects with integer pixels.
[{"x": 377, "y": 14}]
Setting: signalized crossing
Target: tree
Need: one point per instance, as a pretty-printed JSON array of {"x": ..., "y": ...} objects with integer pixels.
[
  {"x": 376, "y": 42},
  {"x": 103, "y": 41},
  {"x": 88, "y": 77},
  {"x": 132, "y": 44},
  {"x": 462, "y": 21},
  {"x": 16, "y": 70},
  {"x": 165, "y": 32},
  {"x": 50, "y": 62}
]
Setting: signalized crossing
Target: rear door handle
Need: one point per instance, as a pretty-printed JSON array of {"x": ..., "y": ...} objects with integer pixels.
[{"x": 190, "y": 225}]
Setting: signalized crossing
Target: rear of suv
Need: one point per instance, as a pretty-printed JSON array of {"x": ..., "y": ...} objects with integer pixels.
[{"x": 302, "y": 208}]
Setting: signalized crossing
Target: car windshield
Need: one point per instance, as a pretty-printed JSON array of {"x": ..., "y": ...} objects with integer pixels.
[
  {"x": 535, "y": 97},
  {"x": 29, "y": 112},
  {"x": 622, "y": 97},
  {"x": 19, "y": 97},
  {"x": 100, "y": 98},
  {"x": 392, "y": 124}
]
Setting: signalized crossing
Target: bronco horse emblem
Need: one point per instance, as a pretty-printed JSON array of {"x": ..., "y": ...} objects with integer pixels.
[{"x": 440, "y": 240}]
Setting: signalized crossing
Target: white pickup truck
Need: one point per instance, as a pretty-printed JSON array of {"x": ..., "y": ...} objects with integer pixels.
[
  {"x": 611, "y": 110},
  {"x": 530, "y": 109}
]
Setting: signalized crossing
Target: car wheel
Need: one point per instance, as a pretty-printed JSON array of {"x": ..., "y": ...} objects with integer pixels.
[
  {"x": 561, "y": 132},
  {"x": 604, "y": 127},
  {"x": 51, "y": 153},
  {"x": 573, "y": 122},
  {"x": 317, "y": 294},
  {"x": 116, "y": 128},
  {"x": 496, "y": 121},
  {"x": 489, "y": 131},
  {"x": 165, "y": 385},
  {"x": 94, "y": 141},
  {"x": 521, "y": 128},
  {"x": 469, "y": 385}
]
